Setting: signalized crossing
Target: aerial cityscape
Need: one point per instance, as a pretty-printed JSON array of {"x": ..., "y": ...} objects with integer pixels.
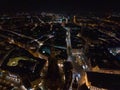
[{"x": 62, "y": 48}]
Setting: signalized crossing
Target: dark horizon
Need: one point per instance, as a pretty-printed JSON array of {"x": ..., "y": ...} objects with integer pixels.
[{"x": 59, "y": 6}]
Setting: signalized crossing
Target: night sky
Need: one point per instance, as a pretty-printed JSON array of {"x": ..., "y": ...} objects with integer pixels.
[{"x": 59, "y": 5}]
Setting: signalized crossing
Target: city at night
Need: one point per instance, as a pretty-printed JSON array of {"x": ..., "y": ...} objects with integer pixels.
[{"x": 59, "y": 45}]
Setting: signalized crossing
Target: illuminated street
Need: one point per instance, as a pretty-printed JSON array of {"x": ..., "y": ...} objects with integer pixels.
[
  {"x": 77, "y": 53},
  {"x": 59, "y": 45}
]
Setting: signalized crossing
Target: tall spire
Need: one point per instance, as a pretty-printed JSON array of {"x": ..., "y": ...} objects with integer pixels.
[
  {"x": 53, "y": 73},
  {"x": 74, "y": 19}
]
